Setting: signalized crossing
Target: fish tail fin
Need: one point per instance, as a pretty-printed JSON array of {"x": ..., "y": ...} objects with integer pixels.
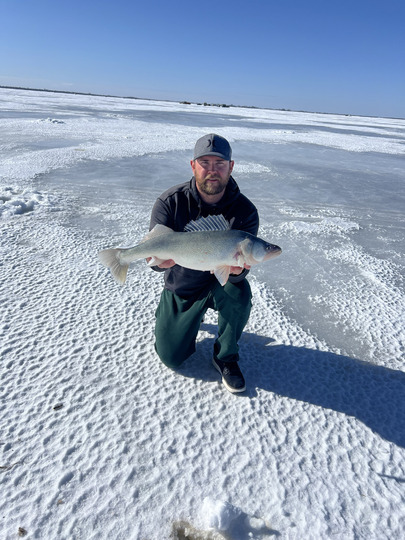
[{"x": 111, "y": 259}]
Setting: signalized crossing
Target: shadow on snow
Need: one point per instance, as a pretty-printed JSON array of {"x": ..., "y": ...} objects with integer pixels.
[{"x": 373, "y": 394}]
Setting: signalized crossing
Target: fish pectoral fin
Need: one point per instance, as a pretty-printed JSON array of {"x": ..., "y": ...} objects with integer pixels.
[
  {"x": 239, "y": 259},
  {"x": 222, "y": 274},
  {"x": 155, "y": 261},
  {"x": 244, "y": 251}
]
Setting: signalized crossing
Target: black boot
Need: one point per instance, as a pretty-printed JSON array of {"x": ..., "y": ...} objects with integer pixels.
[{"x": 231, "y": 375}]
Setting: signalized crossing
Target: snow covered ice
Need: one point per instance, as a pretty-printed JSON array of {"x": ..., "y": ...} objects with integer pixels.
[{"x": 98, "y": 439}]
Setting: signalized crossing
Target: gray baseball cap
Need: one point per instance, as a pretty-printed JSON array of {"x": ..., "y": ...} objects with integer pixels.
[{"x": 213, "y": 145}]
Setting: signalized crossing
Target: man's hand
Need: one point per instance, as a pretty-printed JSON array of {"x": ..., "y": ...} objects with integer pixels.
[
  {"x": 165, "y": 264},
  {"x": 236, "y": 270}
]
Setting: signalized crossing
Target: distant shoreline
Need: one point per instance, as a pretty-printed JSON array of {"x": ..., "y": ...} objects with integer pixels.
[{"x": 185, "y": 102}]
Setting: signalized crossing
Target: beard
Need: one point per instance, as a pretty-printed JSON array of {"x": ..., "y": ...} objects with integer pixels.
[{"x": 210, "y": 187}]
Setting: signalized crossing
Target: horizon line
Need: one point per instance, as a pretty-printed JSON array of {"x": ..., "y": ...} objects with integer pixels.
[{"x": 186, "y": 102}]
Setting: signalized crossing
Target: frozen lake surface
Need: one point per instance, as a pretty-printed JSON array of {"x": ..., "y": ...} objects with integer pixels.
[{"x": 315, "y": 449}]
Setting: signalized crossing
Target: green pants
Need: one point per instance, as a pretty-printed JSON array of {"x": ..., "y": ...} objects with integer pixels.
[{"x": 178, "y": 321}]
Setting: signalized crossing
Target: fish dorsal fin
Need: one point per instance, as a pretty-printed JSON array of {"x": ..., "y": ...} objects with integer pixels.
[{"x": 209, "y": 223}]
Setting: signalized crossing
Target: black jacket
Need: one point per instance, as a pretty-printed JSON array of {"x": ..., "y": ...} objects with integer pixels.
[{"x": 181, "y": 204}]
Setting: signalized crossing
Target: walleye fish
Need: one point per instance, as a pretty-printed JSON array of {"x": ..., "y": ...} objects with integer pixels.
[{"x": 207, "y": 244}]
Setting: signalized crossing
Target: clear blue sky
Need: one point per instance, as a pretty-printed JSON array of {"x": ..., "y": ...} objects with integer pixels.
[{"x": 345, "y": 56}]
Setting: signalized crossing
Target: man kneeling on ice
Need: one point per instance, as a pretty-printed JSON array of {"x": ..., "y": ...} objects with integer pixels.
[
  {"x": 203, "y": 236},
  {"x": 188, "y": 293}
]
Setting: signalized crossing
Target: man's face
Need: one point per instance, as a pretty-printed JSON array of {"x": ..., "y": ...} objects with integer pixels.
[{"x": 211, "y": 174}]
